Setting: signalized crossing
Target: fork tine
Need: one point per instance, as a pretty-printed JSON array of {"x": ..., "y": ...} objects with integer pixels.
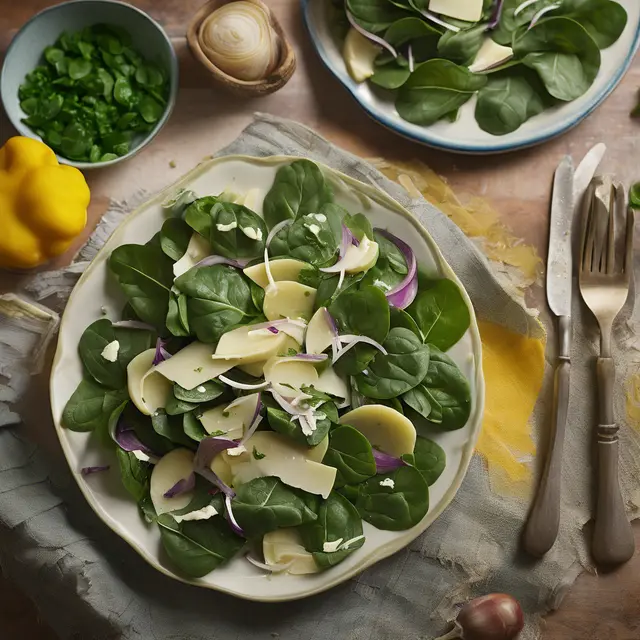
[
  {"x": 609, "y": 254},
  {"x": 586, "y": 244},
  {"x": 628, "y": 254}
]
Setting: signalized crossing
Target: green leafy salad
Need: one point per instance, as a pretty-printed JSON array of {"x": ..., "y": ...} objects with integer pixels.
[
  {"x": 519, "y": 57},
  {"x": 261, "y": 390},
  {"x": 94, "y": 94}
]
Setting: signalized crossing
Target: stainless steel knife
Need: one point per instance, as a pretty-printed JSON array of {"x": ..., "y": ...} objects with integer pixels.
[{"x": 544, "y": 519}]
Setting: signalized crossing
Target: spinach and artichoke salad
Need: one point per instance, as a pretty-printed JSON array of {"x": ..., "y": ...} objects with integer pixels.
[
  {"x": 260, "y": 391},
  {"x": 519, "y": 57}
]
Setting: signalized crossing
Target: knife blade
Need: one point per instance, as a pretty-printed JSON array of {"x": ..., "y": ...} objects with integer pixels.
[
  {"x": 559, "y": 261},
  {"x": 542, "y": 526}
]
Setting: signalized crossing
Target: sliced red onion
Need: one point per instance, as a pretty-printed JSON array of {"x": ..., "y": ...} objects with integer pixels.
[
  {"x": 347, "y": 240},
  {"x": 233, "y": 523},
  {"x": 287, "y": 406},
  {"x": 538, "y": 16},
  {"x": 435, "y": 19},
  {"x": 182, "y": 486},
  {"x": 87, "y": 471},
  {"x": 292, "y": 327},
  {"x": 209, "y": 448},
  {"x": 403, "y": 294},
  {"x": 161, "y": 353},
  {"x": 133, "y": 324},
  {"x": 241, "y": 385},
  {"x": 352, "y": 340},
  {"x": 126, "y": 438},
  {"x": 497, "y": 14},
  {"x": 251, "y": 430},
  {"x": 213, "y": 478},
  {"x": 386, "y": 463},
  {"x": 521, "y": 7},
  {"x": 210, "y": 261},
  {"x": 371, "y": 36},
  {"x": 273, "y": 568},
  {"x": 410, "y": 58},
  {"x": 308, "y": 422}
]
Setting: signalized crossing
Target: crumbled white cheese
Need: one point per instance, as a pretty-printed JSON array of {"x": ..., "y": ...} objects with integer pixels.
[
  {"x": 348, "y": 543},
  {"x": 320, "y": 217},
  {"x": 110, "y": 352},
  {"x": 381, "y": 285},
  {"x": 227, "y": 227},
  {"x": 201, "y": 514},
  {"x": 141, "y": 455},
  {"x": 236, "y": 451},
  {"x": 388, "y": 482},
  {"x": 330, "y": 547},
  {"x": 314, "y": 228},
  {"x": 254, "y": 234},
  {"x": 201, "y": 389}
]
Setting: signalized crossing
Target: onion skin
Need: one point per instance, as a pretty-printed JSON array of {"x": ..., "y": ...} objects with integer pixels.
[
  {"x": 241, "y": 41},
  {"x": 496, "y": 616}
]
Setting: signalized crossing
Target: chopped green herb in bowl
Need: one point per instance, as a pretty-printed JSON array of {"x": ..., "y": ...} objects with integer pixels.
[{"x": 98, "y": 91}]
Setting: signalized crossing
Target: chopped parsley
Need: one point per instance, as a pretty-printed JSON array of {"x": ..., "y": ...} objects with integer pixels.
[{"x": 257, "y": 454}]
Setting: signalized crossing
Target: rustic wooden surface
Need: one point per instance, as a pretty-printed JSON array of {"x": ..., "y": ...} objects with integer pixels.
[{"x": 605, "y": 607}]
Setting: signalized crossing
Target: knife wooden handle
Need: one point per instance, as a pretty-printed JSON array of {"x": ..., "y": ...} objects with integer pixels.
[
  {"x": 543, "y": 523},
  {"x": 613, "y": 541}
]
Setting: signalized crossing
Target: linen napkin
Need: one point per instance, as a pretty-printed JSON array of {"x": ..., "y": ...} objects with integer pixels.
[{"x": 88, "y": 584}]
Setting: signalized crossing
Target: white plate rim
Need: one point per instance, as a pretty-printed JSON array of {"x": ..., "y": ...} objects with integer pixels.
[
  {"x": 383, "y": 551},
  {"x": 398, "y": 126}
]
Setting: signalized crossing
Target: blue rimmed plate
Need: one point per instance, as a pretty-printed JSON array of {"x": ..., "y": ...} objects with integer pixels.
[{"x": 464, "y": 135}]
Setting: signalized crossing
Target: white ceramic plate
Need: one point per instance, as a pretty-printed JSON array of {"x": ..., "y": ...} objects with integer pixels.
[
  {"x": 96, "y": 293},
  {"x": 464, "y": 135}
]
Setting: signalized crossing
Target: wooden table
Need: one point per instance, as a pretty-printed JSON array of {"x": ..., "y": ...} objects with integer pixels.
[{"x": 597, "y": 608}]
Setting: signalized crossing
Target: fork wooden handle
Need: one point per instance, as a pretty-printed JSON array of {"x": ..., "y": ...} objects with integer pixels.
[{"x": 613, "y": 541}]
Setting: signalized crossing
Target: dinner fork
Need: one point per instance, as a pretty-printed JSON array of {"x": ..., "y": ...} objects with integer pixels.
[{"x": 605, "y": 275}]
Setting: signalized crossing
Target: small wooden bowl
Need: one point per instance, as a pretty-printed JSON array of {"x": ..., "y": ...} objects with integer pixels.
[{"x": 255, "y": 88}]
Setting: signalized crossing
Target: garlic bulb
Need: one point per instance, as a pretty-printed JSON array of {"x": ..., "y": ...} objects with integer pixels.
[{"x": 240, "y": 40}]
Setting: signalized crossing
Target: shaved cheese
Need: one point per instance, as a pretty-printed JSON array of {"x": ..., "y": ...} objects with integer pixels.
[
  {"x": 287, "y": 375},
  {"x": 288, "y": 300},
  {"x": 388, "y": 482},
  {"x": 148, "y": 389},
  {"x": 200, "y": 514},
  {"x": 197, "y": 249},
  {"x": 171, "y": 468},
  {"x": 491, "y": 55},
  {"x": 194, "y": 365},
  {"x": 249, "y": 346},
  {"x": 284, "y": 547},
  {"x": 232, "y": 420},
  {"x": 385, "y": 428},
  {"x": 359, "y": 56},
  {"x": 362, "y": 257},
  {"x": 282, "y": 269},
  {"x": 331, "y": 547},
  {"x": 330, "y": 382},
  {"x": 110, "y": 352},
  {"x": 467, "y": 10},
  {"x": 320, "y": 333}
]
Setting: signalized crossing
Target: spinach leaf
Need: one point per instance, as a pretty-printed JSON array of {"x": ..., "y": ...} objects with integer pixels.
[
  {"x": 174, "y": 237},
  {"x": 205, "y": 392},
  {"x": 404, "y": 366},
  {"x": 408, "y": 29},
  {"x": 145, "y": 275},
  {"x": 508, "y": 100},
  {"x": 400, "y": 318},
  {"x": 359, "y": 225},
  {"x": 510, "y": 23},
  {"x": 171, "y": 427},
  {"x": 257, "y": 296},
  {"x": 266, "y": 504},
  {"x": 298, "y": 189},
  {"x": 375, "y": 15},
  {"x": 447, "y": 391},
  {"x": 436, "y": 89},
  {"x": 90, "y": 406},
  {"x": 198, "y": 215},
  {"x": 198, "y": 547},
  {"x": 391, "y": 75},
  {"x": 143, "y": 427},
  {"x": 350, "y": 492},
  {"x": 390, "y": 268},
  {"x": 441, "y": 313},
  {"x": 313, "y": 237},
  {"x": 177, "y": 314},
  {"x": 175, "y": 407},
  {"x": 135, "y": 474},
  {"x": 337, "y": 520},
  {"x": 564, "y": 55},
  {"x": 351, "y": 454},
  {"x": 202, "y": 497},
  {"x": 604, "y": 20},
  {"x": 327, "y": 286},
  {"x": 462, "y": 46},
  {"x": 236, "y": 232},
  {"x": 363, "y": 312},
  {"x": 428, "y": 458},
  {"x": 394, "y": 508},
  {"x": 419, "y": 400},
  {"x": 192, "y": 426},
  {"x": 280, "y": 421},
  {"x": 219, "y": 297},
  {"x": 97, "y": 336}
]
